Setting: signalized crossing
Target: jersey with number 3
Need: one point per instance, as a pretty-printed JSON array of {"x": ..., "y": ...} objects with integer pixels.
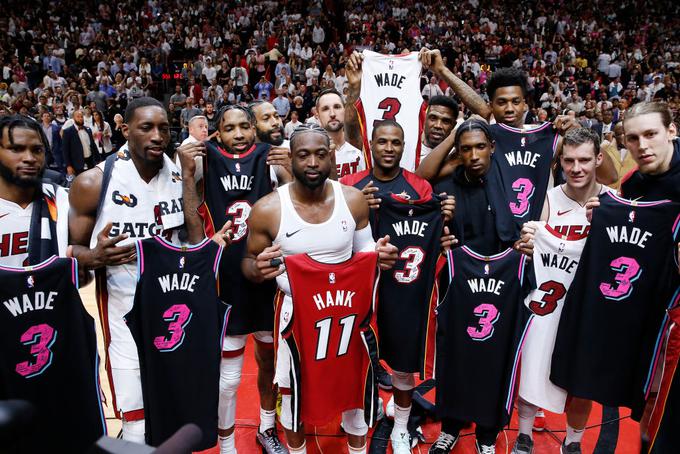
[
  {"x": 48, "y": 357},
  {"x": 610, "y": 332},
  {"x": 177, "y": 321},
  {"x": 555, "y": 261},
  {"x": 481, "y": 324},
  {"x": 390, "y": 90},
  {"x": 523, "y": 160},
  {"x": 330, "y": 337},
  {"x": 232, "y": 185}
]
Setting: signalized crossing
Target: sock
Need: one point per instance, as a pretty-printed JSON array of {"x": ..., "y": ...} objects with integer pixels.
[
  {"x": 267, "y": 419},
  {"x": 227, "y": 444},
  {"x": 301, "y": 450},
  {"x": 353, "y": 450},
  {"x": 401, "y": 415},
  {"x": 573, "y": 435},
  {"x": 133, "y": 431},
  {"x": 527, "y": 415}
]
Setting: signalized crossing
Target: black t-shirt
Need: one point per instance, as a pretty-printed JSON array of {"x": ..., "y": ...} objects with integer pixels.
[{"x": 656, "y": 187}]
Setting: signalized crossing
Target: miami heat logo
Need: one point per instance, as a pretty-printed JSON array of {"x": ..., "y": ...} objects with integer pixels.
[
  {"x": 175, "y": 177},
  {"x": 631, "y": 216},
  {"x": 122, "y": 199},
  {"x": 182, "y": 260},
  {"x": 331, "y": 278},
  {"x": 487, "y": 270},
  {"x": 404, "y": 195},
  {"x": 410, "y": 212},
  {"x": 30, "y": 281},
  {"x": 523, "y": 141}
]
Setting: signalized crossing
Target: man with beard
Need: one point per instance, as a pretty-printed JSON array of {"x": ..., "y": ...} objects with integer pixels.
[
  {"x": 234, "y": 176},
  {"x": 78, "y": 147},
  {"x": 269, "y": 129},
  {"x": 313, "y": 205},
  {"x": 134, "y": 194},
  {"x": 331, "y": 110},
  {"x": 27, "y": 205}
]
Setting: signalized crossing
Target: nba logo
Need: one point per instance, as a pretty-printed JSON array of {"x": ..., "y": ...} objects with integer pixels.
[
  {"x": 181, "y": 262},
  {"x": 30, "y": 281},
  {"x": 561, "y": 248},
  {"x": 486, "y": 269},
  {"x": 238, "y": 167},
  {"x": 331, "y": 278},
  {"x": 523, "y": 141},
  {"x": 343, "y": 223},
  {"x": 631, "y": 216},
  {"x": 410, "y": 212}
]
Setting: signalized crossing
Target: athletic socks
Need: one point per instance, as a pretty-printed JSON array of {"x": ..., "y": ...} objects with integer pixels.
[
  {"x": 267, "y": 419},
  {"x": 301, "y": 450},
  {"x": 227, "y": 444},
  {"x": 527, "y": 415},
  {"x": 401, "y": 415},
  {"x": 573, "y": 435},
  {"x": 133, "y": 431},
  {"x": 353, "y": 450}
]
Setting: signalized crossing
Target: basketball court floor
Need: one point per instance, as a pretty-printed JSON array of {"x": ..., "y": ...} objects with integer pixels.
[{"x": 618, "y": 435}]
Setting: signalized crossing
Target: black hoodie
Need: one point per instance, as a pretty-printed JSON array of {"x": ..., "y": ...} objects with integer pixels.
[{"x": 656, "y": 187}]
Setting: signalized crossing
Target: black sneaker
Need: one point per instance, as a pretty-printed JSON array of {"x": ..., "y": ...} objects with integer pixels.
[
  {"x": 384, "y": 378},
  {"x": 571, "y": 448},
  {"x": 444, "y": 444},
  {"x": 523, "y": 445},
  {"x": 269, "y": 440}
]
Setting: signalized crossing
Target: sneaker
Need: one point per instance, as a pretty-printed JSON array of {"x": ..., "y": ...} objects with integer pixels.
[
  {"x": 485, "y": 449},
  {"x": 401, "y": 443},
  {"x": 444, "y": 444},
  {"x": 381, "y": 411},
  {"x": 539, "y": 421},
  {"x": 383, "y": 377},
  {"x": 269, "y": 440},
  {"x": 389, "y": 408},
  {"x": 571, "y": 448},
  {"x": 523, "y": 445}
]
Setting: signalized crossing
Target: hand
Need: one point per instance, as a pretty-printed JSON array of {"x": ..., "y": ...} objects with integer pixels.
[
  {"x": 432, "y": 60},
  {"x": 525, "y": 244},
  {"x": 279, "y": 156},
  {"x": 447, "y": 240},
  {"x": 353, "y": 71},
  {"x": 387, "y": 253},
  {"x": 448, "y": 206},
  {"x": 106, "y": 253},
  {"x": 564, "y": 123},
  {"x": 224, "y": 236},
  {"x": 369, "y": 190},
  {"x": 187, "y": 157},
  {"x": 591, "y": 204},
  {"x": 263, "y": 262}
]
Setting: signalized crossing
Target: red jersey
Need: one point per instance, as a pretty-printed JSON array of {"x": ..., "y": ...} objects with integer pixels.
[{"x": 330, "y": 337}]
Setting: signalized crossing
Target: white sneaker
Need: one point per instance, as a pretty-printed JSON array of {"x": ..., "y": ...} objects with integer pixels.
[
  {"x": 485, "y": 449},
  {"x": 389, "y": 408},
  {"x": 401, "y": 443}
]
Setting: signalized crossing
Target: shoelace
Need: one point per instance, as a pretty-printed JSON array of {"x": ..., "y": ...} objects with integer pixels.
[
  {"x": 444, "y": 441},
  {"x": 272, "y": 440},
  {"x": 487, "y": 449}
]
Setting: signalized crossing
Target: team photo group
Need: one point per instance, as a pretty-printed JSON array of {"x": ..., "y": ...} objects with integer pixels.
[{"x": 452, "y": 240}]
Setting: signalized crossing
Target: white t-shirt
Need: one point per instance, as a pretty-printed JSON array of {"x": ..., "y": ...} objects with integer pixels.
[{"x": 349, "y": 160}]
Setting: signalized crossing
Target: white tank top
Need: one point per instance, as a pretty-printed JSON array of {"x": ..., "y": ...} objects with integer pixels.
[
  {"x": 330, "y": 241},
  {"x": 390, "y": 89},
  {"x": 566, "y": 215}
]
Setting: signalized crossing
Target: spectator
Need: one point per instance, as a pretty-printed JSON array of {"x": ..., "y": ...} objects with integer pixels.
[
  {"x": 292, "y": 124},
  {"x": 78, "y": 146},
  {"x": 51, "y": 131},
  {"x": 187, "y": 113},
  {"x": 101, "y": 132},
  {"x": 264, "y": 89},
  {"x": 178, "y": 98},
  {"x": 281, "y": 104},
  {"x": 117, "y": 136},
  {"x": 432, "y": 89},
  {"x": 198, "y": 130}
]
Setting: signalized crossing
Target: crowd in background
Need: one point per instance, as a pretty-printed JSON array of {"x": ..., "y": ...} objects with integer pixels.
[{"x": 76, "y": 64}]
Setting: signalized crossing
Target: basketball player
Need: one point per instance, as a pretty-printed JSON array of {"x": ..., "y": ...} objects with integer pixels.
[
  {"x": 564, "y": 210},
  {"x": 385, "y": 178},
  {"x": 299, "y": 218},
  {"x": 130, "y": 196},
  {"x": 33, "y": 214},
  {"x": 440, "y": 116},
  {"x": 348, "y": 159},
  {"x": 235, "y": 175}
]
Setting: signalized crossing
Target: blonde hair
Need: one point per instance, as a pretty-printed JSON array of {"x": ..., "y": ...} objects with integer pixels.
[{"x": 649, "y": 107}]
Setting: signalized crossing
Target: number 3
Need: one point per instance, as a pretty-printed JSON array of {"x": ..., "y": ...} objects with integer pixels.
[
  {"x": 40, "y": 338},
  {"x": 554, "y": 291},
  {"x": 391, "y": 107},
  {"x": 488, "y": 315},
  {"x": 240, "y": 211},
  {"x": 628, "y": 270},
  {"x": 179, "y": 317},
  {"x": 525, "y": 191},
  {"x": 414, "y": 256}
]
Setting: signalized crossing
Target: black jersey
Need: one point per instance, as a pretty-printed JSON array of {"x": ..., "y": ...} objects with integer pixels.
[
  {"x": 232, "y": 185},
  {"x": 48, "y": 356},
  {"x": 177, "y": 321},
  {"x": 409, "y": 293},
  {"x": 481, "y": 325},
  {"x": 655, "y": 187},
  {"x": 406, "y": 184},
  {"x": 523, "y": 162},
  {"x": 609, "y": 335}
]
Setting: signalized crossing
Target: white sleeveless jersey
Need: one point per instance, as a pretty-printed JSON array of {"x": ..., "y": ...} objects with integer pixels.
[
  {"x": 555, "y": 260},
  {"x": 566, "y": 215},
  {"x": 390, "y": 89},
  {"x": 348, "y": 160},
  {"x": 138, "y": 209}
]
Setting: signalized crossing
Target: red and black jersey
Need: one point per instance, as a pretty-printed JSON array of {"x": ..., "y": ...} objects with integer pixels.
[
  {"x": 406, "y": 185},
  {"x": 232, "y": 184},
  {"x": 330, "y": 337}
]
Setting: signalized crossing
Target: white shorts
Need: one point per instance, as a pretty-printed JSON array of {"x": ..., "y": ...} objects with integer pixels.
[
  {"x": 238, "y": 342},
  {"x": 127, "y": 389}
]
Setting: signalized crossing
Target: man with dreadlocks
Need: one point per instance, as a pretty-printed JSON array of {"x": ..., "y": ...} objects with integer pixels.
[
  {"x": 327, "y": 220},
  {"x": 233, "y": 175},
  {"x": 33, "y": 213}
]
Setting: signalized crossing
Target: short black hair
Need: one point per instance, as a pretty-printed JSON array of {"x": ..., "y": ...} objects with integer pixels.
[
  {"x": 255, "y": 103},
  {"x": 228, "y": 107},
  {"x": 11, "y": 122},
  {"x": 472, "y": 125},
  {"x": 445, "y": 101},
  {"x": 327, "y": 91},
  {"x": 384, "y": 124},
  {"x": 308, "y": 128},
  {"x": 507, "y": 77},
  {"x": 135, "y": 104}
]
